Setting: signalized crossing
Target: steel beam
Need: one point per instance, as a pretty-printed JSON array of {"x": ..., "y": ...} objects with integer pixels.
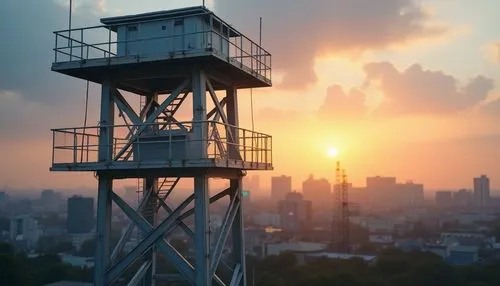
[
  {"x": 238, "y": 231},
  {"x": 126, "y": 235},
  {"x": 202, "y": 231},
  {"x": 154, "y": 235},
  {"x": 233, "y": 120},
  {"x": 213, "y": 112},
  {"x": 152, "y": 117},
  {"x": 123, "y": 105},
  {"x": 220, "y": 110},
  {"x": 181, "y": 224},
  {"x": 150, "y": 209},
  {"x": 200, "y": 128},
  {"x": 149, "y": 213},
  {"x": 227, "y": 224},
  {"x": 139, "y": 275},
  {"x": 107, "y": 118},
  {"x": 102, "y": 257}
]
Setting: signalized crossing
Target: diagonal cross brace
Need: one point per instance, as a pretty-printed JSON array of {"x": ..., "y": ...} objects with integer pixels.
[
  {"x": 226, "y": 226},
  {"x": 213, "y": 112},
  {"x": 153, "y": 236},
  {"x": 123, "y": 105},
  {"x": 152, "y": 117},
  {"x": 126, "y": 235},
  {"x": 190, "y": 212},
  {"x": 182, "y": 265},
  {"x": 179, "y": 221},
  {"x": 135, "y": 281},
  {"x": 219, "y": 108},
  {"x": 237, "y": 274}
]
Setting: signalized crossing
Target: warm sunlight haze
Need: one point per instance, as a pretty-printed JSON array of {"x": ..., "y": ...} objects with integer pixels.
[{"x": 332, "y": 152}]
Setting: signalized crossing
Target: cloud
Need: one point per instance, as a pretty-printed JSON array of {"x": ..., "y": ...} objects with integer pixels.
[
  {"x": 416, "y": 90},
  {"x": 22, "y": 118},
  {"x": 494, "y": 52},
  {"x": 339, "y": 104},
  {"x": 297, "y": 31}
]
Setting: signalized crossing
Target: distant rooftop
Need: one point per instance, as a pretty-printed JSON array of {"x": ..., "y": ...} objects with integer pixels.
[{"x": 334, "y": 255}]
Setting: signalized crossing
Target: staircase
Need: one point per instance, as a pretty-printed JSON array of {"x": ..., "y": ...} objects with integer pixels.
[{"x": 171, "y": 109}]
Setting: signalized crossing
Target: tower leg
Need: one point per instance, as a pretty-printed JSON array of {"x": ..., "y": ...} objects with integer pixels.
[
  {"x": 237, "y": 232},
  {"x": 102, "y": 257},
  {"x": 149, "y": 213},
  {"x": 202, "y": 231}
]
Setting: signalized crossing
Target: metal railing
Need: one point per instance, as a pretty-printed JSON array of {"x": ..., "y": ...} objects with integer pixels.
[
  {"x": 74, "y": 45},
  {"x": 160, "y": 142}
]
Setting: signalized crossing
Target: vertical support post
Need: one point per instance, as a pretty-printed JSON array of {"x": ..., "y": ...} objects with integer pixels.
[
  {"x": 237, "y": 230},
  {"x": 202, "y": 231},
  {"x": 236, "y": 184},
  {"x": 102, "y": 256},
  {"x": 106, "y": 123},
  {"x": 233, "y": 120},
  {"x": 149, "y": 213},
  {"x": 149, "y": 210},
  {"x": 200, "y": 127}
]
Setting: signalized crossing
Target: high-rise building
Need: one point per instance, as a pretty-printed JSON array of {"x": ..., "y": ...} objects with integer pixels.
[
  {"x": 4, "y": 197},
  {"x": 385, "y": 191},
  {"x": 319, "y": 191},
  {"x": 380, "y": 183},
  {"x": 462, "y": 198},
  {"x": 481, "y": 191},
  {"x": 410, "y": 194},
  {"x": 24, "y": 232},
  {"x": 80, "y": 215},
  {"x": 50, "y": 199},
  {"x": 444, "y": 198},
  {"x": 295, "y": 212},
  {"x": 280, "y": 187}
]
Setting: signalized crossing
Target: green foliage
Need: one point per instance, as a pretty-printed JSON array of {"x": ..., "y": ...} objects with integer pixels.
[
  {"x": 392, "y": 268},
  {"x": 20, "y": 270}
]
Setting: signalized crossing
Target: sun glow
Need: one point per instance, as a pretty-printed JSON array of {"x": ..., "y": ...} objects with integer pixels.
[{"x": 332, "y": 152}]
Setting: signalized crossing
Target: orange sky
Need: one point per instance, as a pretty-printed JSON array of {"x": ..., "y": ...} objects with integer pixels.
[{"x": 400, "y": 88}]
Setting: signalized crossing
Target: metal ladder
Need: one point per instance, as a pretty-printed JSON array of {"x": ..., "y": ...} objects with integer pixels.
[{"x": 171, "y": 109}]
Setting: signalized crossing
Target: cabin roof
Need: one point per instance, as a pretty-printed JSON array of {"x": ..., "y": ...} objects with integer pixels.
[
  {"x": 165, "y": 14},
  {"x": 114, "y": 22}
]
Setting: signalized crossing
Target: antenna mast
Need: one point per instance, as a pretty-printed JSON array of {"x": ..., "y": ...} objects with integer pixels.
[{"x": 340, "y": 220}]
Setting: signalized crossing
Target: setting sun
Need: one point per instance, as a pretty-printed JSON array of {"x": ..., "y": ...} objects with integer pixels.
[{"x": 332, "y": 152}]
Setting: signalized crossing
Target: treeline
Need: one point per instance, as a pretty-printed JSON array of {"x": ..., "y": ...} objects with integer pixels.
[
  {"x": 392, "y": 268},
  {"x": 19, "y": 269}
]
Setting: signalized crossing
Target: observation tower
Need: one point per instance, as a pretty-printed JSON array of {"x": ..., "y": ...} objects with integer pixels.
[{"x": 147, "y": 66}]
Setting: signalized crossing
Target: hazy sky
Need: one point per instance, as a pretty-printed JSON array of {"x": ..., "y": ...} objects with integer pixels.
[{"x": 400, "y": 87}]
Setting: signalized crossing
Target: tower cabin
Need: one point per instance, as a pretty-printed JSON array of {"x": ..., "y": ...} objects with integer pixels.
[{"x": 168, "y": 55}]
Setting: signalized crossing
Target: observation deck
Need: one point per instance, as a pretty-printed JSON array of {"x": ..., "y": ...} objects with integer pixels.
[
  {"x": 160, "y": 147},
  {"x": 146, "y": 53}
]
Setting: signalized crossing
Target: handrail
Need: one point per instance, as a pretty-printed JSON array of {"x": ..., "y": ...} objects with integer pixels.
[
  {"x": 160, "y": 123},
  {"x": 241, "y": 49},
  {"x": 77, "y": 147}
]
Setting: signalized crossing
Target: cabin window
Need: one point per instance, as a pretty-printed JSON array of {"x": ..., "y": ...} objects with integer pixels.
[
  {"x": 132, "y": 28},
  {"x": 164, "y": 28},
  {"x": 179, "y": 22}
]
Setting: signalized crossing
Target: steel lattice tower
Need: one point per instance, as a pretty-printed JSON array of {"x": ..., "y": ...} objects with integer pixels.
[
  {"x": 340, "y": 221},
  {"x": 164, "y": 58}
]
